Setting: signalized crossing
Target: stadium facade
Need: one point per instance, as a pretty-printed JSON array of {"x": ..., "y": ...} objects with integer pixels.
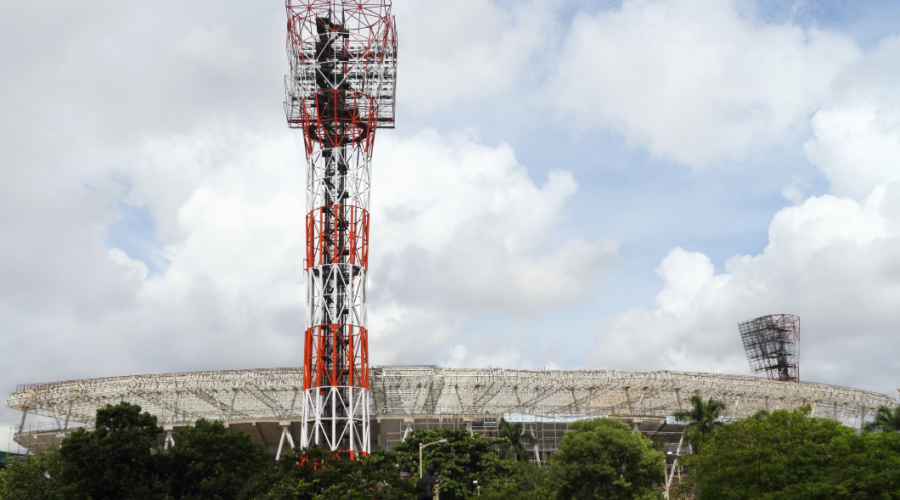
[{"x": 267, "y": 403}]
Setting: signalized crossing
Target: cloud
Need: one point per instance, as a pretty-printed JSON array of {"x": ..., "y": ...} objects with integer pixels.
[
  {"x": 686, "y": 329},
  {"x": 832, "y": 261},
  {"x": 467, "y": 50},
  {"x": 460, "y": 229},
  {"x": 6, "y": 441},
  {"x": 97, "y": 76},
  {"x": 215, "y": 46},
  {"x": 856, "y": 140},
  {"x": 797, "y": 190},
  {"x": 693, "y": 81},
  {"x": 862, "y": 134},
  {"x": 230, "y": 289}
]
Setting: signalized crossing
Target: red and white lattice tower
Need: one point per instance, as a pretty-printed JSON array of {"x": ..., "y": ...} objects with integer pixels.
[{"x": 339, "y": 92}]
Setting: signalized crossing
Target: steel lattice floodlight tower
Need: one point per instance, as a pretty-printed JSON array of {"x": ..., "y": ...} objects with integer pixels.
[
  {"x": 339, "y": 91},
  {"x": 772, "y": 344}
]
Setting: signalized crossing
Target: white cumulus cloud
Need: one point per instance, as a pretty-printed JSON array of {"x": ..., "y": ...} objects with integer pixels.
[
  {"x": 833, "y": 258},
  {"x": 461, "y": 229},
  {"x": 694, "y": 81},
  {"x": 856, "y": 141},
  {"x": 466, "y": 50}
]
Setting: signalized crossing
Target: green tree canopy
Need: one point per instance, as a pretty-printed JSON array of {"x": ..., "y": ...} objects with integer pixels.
[
  {"x": 463, "y": 459},
  {"x": 117, "y": 460},
  {"x": 602, "y": 458},
  {"x": 787, "y": 455},
  {"x": 526, "y": 482},
  {"x": 319, "y": 474},
  {"x": 34, "y": 477},
  {"x": 209, "y": 462},
  {"x": 114, "y": 460}
]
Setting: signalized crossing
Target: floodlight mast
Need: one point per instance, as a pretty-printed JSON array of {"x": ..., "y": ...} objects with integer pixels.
[
  {"x": 772, "y": 344},
  {"x": 340, "y": 90}
]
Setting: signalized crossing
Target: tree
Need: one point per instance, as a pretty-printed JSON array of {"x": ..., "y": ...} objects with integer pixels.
[
  {"x": 866, "y": 465},
  {"x": 886, "y": 420},
  {"x": 36, "y": 476},
  {"x": 463, "y": 459},
  {"x": 209, "y": 462},
  {"x": 703, "y": 419},
  {"x": 515, "y": 440},
  {"x": 115, "y": 459},
  {"x": 526, "y": 482},
  {"x": 602, "y": 458},
  {"x": 320, "y": 474},
  {"x": 787, "y": 455}
]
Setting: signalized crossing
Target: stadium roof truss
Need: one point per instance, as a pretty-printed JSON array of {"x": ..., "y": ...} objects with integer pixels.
[{"x": 274, "y": 394}]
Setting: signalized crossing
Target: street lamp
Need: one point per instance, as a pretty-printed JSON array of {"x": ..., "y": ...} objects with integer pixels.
[{"x": 422, "y": 447}]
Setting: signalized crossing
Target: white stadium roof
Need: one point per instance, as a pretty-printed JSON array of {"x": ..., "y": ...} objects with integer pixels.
[{"x": 274, "y": 394}]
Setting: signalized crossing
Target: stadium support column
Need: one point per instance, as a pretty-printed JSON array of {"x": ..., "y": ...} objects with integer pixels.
[{"x": 339, "y": 92}]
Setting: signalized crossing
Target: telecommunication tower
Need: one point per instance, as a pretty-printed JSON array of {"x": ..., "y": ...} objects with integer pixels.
[
  {"x": 772, "y": 344},
  {"x": 340, "y": 90}
]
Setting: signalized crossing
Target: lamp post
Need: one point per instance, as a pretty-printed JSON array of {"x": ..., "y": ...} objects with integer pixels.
[
  {"x": 422, "y": 447},
  {"x": 670, "y": 469}
]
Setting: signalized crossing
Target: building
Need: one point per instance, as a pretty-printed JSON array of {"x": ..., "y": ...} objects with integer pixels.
[{"x": 267, "y": 403}]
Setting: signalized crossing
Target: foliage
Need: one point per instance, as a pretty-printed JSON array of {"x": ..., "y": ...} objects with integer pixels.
[
  {"x": 209, "y": 462},
  {"x": 516, "y": 439},
  {"x": 886, "y": 420},
  {"x": 526, "y": 482},
  {"x": 118, "y": 460},
  {"x": 383, "y": 469},
  {"x": 34, "y": 477},
  {"x": 114, "y": 460},
  {"x": 319, "y": 474},
  {"x": 539, "y": 494},
  {"x": 602, "y": 458},
  {"x": 702, "y": 417},
  {"x": 463, "y": 459},
  {"x": 787, "y": 455}
]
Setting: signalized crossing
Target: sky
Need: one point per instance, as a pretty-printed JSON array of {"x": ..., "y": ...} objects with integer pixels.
[{"x": 570, "y": 185}]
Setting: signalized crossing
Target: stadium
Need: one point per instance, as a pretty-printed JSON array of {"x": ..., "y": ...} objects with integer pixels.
[{"x": 265, "y": 403}]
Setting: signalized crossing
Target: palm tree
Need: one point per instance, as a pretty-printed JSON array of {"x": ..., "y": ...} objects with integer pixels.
[
  {"x": 702, "y": 417},
  {"x": 886, "y": 420},
  {"x": 516, "y": 439}
]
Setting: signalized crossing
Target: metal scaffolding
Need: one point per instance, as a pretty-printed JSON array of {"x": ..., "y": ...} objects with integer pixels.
[
  {"x": 339, "y": 91},
  {"x": 255, "y": 399},
  {"x": 772, "y": 344}
]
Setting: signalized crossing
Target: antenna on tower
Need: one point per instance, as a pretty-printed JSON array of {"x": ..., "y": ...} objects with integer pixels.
[{"x": 772, "y": 344}]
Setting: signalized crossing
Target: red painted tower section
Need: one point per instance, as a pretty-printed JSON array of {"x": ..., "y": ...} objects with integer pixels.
[{"x": 339, "y": 92}]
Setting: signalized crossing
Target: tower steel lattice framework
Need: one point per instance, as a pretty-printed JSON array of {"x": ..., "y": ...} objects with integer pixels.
[
  {"x": 772, "y": 344},
  {"x": 340, "y": 90}
]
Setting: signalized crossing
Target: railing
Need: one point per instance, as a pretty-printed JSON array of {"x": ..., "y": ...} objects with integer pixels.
[{"x": 42, "y": 427}]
